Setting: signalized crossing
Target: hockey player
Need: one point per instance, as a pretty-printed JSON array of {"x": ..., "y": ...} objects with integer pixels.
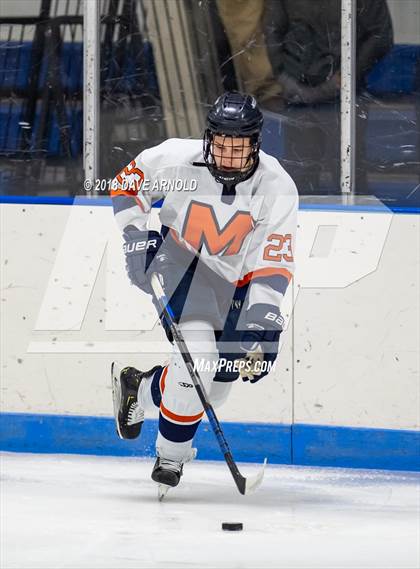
[{"x": 225, "y": 253}]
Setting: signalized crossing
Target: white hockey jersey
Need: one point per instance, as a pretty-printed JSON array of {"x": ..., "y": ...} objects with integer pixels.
[{"x": 249, "y": 238}]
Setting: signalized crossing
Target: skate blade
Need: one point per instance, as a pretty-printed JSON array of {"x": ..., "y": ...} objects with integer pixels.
[{"x": 162, "y": 491}]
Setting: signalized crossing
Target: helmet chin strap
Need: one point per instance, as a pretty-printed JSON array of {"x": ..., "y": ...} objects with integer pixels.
[
  {"x": 235, "y": 179},
  {"x": 223, "y": 177},
  {"x": 229, "y": 178}
]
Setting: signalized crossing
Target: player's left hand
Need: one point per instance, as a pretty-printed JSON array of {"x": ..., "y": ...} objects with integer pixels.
[
  {"x": 252, "y": 341},
  {"x": 259, "y": 341},
  {"x": 250, "y": 364}
]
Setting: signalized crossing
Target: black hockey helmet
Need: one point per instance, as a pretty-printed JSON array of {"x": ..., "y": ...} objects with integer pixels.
[{"x": 233, "y": 115}]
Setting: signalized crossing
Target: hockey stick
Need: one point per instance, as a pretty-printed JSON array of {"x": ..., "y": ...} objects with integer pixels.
[{"x": 244, "y": 485}]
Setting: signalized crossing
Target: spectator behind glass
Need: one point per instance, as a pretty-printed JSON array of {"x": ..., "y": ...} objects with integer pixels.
[
  {"x": 287, "y": 52},
  {"x": 303, "y": 39},
  {"x": 243, "y": 23}
]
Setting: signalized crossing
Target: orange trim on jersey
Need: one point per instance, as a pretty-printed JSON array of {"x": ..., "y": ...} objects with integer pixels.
[
  {"x": 115, "y": 193},
  {"x": 129, "y": 170},
  {"x": 139, "y": 204},
  {"x": 174, "y": 234},
  {"x": 180, "y": 418},
  {"x": 267, "y": 272},
  {"x": 130, "y": 192},
  {"x": 162, "y": 380},
  {"x": 177, "y": 240}
]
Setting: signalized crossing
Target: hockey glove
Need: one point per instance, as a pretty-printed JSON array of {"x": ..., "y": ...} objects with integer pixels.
[
  {"x": 141, "y": 250},
  {"x": 259, "y": 341}
]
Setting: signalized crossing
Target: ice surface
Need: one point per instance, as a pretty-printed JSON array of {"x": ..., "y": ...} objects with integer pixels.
[{"x": 64, "y": 511}]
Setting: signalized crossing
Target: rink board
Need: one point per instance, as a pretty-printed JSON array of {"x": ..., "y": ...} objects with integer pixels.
[
  {"x": 282, "y": 444},
  {"x": 345, "y": 390}
]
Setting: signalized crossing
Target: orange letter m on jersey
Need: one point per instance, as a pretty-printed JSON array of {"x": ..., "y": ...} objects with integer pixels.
[{"x": 201, "y": 227}]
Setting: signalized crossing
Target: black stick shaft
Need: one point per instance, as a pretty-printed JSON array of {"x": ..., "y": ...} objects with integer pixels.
[{"x": 162, "y": 301}]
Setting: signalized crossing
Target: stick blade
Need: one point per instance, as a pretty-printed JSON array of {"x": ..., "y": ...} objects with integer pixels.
[{"x": 253, "y": 482}]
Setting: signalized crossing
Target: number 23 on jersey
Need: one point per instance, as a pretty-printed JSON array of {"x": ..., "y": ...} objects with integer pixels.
[{"x": 279, "y": 248}]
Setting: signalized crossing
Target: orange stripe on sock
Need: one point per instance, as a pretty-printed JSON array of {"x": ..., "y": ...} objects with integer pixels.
[{"x": 180, "y": 418}]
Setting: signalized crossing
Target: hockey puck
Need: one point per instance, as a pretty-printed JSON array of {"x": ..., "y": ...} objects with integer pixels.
[{"x": 226, "y": 526}]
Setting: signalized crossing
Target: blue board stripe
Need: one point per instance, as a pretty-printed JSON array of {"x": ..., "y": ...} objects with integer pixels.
[
  {"x": 22, "y": 432},
  {"x": 57, "y": 200},
  {"x": 106, "y": 201},
  {"x": 356, "y": 447},
  {"x": 378, "y": 208},
  {"x": 315, "y": 445}
]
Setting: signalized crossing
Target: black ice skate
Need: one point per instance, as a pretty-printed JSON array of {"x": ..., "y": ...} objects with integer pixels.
[
  {"x": 167, "y": 473},
  {"x": 129, "y": 415}
]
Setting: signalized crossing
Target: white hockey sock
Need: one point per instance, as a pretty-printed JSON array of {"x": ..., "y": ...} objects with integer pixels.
[
  {"x": 181, "y": 452},
  {"x": 144, "y": 395}
]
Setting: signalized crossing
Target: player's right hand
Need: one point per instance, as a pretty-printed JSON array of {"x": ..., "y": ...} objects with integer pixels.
[{"x": 140, "y": 249}]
